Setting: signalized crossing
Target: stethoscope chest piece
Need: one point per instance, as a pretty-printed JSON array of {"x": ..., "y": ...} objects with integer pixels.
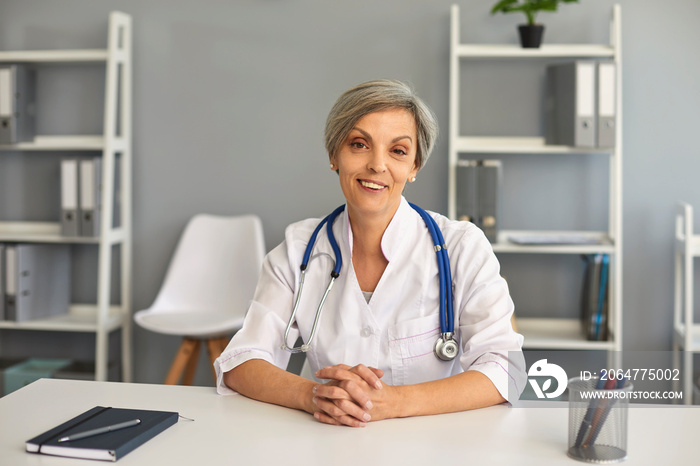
[{"x": 446, "y": 347}]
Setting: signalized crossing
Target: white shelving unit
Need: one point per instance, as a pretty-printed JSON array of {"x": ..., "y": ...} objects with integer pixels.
[
  {"x": 686, "y": 332},
  {"x": 100, "y": 318},
  {"x": 547, "y": 333}
]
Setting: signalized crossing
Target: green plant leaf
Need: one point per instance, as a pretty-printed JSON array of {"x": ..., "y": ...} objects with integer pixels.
[
  {"x": 502, "y": 6},
  {"x": 529, "y": 8}
]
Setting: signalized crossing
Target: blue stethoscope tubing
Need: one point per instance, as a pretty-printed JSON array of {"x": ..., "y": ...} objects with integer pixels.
[
  {"x": 444, "y": 274},
  {"x": 446, "y": 347}
]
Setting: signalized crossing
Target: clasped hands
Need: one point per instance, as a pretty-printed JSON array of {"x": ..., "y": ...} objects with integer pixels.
[{"x": 352, "y": 396}]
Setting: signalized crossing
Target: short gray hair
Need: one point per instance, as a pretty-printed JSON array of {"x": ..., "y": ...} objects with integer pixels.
[{"x": 374, "y": 96}]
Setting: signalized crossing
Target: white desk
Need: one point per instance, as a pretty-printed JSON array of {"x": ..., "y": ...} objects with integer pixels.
[{"x": 236, "y": 430}]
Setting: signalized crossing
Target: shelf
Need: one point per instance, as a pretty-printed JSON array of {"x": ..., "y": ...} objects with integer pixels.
[
  {"x": 693, "y": 245},
  {"x": 519, "y": 145},
  {"x": 50, "y": 232},
  {"x": 113, "y": 146},
  {"x": 544, "y": 333},
  {"x": 59, "y": 143},
  {"x": 504, "y": 245},
  {"x": 80, "y": 318},
  {"x": 694, "y": 337},
  {"x": 40, "y": 232},
  {"x": 54, "y": 56},
  {"x": 562, "y": 334},
  {"x": 545, "y": 51}
]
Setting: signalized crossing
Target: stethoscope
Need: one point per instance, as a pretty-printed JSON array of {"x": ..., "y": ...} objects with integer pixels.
[{"x": 446, "y": 347}]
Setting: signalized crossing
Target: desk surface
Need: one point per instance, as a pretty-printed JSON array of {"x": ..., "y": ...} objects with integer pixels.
[{"x": 236, "y": 430}]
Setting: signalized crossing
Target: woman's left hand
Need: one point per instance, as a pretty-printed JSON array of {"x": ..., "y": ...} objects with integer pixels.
[{"x": 350, "y": 380}]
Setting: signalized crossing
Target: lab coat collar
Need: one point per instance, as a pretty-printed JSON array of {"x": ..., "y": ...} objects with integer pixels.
[{"x": 395, "y": 232}]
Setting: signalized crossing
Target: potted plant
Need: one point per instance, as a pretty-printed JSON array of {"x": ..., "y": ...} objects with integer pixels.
[{"x": 530, "y": 33}]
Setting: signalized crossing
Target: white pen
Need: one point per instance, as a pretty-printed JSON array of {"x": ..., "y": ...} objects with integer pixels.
[{"x": 100, "y": 430}]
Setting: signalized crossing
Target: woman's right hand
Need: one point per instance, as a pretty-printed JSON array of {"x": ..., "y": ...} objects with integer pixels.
[{"x": 344, "y": 399}]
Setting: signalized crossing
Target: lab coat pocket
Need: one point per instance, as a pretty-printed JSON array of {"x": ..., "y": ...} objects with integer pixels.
[{"x": 411, "y": 345}]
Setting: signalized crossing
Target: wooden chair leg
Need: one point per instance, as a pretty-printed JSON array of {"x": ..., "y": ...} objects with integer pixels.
[
  {"x": 182, "y": 358},
  {"x": 213, "y": 350},
  {"x": 223, "y": 343},
  {"x": 188, "y": 378}
]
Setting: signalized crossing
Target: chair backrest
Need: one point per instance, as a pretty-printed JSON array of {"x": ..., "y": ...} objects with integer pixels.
[{"x": 215, "y": 266}]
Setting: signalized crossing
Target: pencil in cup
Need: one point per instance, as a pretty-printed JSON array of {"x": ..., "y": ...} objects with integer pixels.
[{"x": 604, "y": 412}]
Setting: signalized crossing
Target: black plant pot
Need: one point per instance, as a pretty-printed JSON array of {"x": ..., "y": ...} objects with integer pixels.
[{"x": 531, "y": 35}]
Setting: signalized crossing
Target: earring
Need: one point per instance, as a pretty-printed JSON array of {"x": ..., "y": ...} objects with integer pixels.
[
  {"x": 332, "y": 167},
  {"x": 412, "y": 179}
]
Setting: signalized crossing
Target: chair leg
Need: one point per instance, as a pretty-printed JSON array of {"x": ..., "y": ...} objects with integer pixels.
[
  {"x": 188, "y": 378},
  {"x": 223, "y": 343},
  {"x": 183, "y": 358}
]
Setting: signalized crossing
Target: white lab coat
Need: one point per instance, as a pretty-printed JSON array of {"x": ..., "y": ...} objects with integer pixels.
[{"x": 396, "y": 331}]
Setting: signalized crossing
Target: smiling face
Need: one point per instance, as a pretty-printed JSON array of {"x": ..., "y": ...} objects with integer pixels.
[{"x": 375, "y": 161}]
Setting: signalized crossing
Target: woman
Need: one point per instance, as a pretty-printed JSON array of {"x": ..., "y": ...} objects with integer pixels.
[{"x": 373, "y": 351}]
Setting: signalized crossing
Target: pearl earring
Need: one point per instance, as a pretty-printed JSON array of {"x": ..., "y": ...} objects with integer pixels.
[
  {"x": 413, "y": 178},
  {"x": 332, "y": 167}
]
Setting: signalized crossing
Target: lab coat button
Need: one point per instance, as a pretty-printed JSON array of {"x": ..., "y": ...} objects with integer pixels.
[{"x": 366, "y": 332}]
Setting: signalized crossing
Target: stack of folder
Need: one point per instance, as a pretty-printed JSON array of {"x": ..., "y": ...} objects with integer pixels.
[
  {"x": 478, "y": 193},
  {"x": 594, "y": 297},
  {"x": 81, "y": 191},
  {"x": 35, "y": 281},
  {"x": 580, "y": 104}
]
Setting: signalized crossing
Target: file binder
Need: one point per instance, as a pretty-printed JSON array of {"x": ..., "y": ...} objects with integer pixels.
[
  {"x": 17, "y": 104},
  {"x": 606, "y": 103},
  {"x": 117, "y": 205},
  {"x": 70, "y": 223},
  {"x": 478, "y": 187},
  {"x": 489, "y": 172},
  {"x": 10, "y": 266},
  {"x": 467, "y": 192},
  {"x": 594, "y": 297},
  {"x": 2, "y": 286},
  {"x": 90, "y": 196},
  {"x": 108, "y": 446},
  {"x": 600, "y": 323},
  {"x": 37, "y": 281},
  {"x": 570, "y": 105}
]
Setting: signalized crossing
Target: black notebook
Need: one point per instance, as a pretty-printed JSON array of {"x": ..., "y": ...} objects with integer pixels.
[{"x": 109, "y": 446}]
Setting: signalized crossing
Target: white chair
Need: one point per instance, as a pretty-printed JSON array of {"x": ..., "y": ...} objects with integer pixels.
[{"x": 207, "y": 289}]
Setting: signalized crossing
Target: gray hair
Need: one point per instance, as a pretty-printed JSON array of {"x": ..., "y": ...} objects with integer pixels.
[{"x": 374, "y": 96}]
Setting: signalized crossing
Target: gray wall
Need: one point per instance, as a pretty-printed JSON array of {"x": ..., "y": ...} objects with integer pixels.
[{"x": 230, "y": 98}]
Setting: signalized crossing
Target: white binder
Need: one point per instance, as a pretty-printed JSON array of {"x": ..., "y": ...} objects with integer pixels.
[
  {"x": 17, "y": 104},
  {"x": 607, "y": 97},
  {"x": 6, "y": 103},
  {"x": 90, "y": 196},
  {"x": 70, "y": 225},
  {"x": 570, "y": 107},
  {"x": 37, "y": 281}
]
